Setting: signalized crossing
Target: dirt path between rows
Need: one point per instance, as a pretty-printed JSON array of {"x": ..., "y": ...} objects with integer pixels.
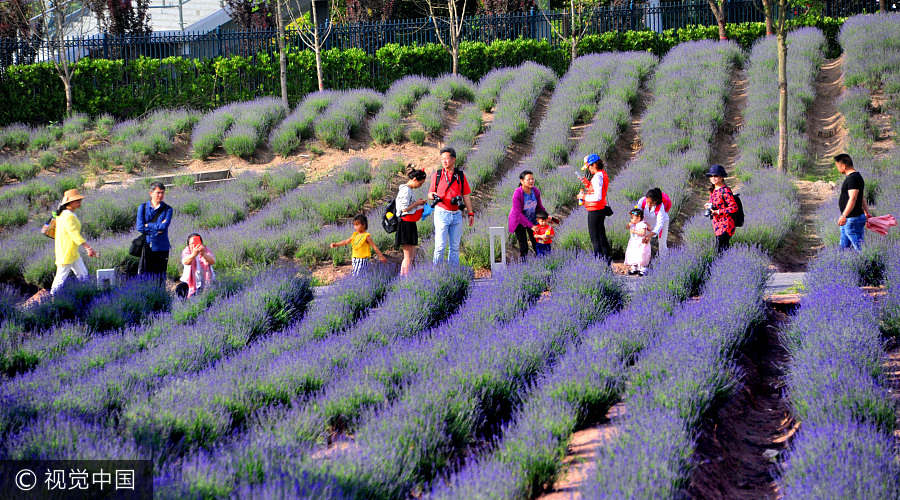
[
  {"x": 723, "y": 150},
  {"x": 827, "y": 137},
  {"x": 580, "y": 461},
  {"x": 739, "y": 443},
  {"x": 891, "y": 367}
]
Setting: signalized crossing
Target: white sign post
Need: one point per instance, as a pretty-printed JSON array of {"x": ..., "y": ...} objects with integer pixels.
[{"x": 500, "y": 233}]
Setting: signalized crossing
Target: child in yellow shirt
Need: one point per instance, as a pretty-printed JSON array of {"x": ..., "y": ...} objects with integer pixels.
[{"x": 361, "y": 244}]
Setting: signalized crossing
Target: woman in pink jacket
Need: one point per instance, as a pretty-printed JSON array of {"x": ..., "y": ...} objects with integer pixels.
[{"x": 526, "y": 201}]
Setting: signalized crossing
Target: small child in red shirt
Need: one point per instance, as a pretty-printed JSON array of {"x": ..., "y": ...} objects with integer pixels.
[{"x": 543, "y": 233}]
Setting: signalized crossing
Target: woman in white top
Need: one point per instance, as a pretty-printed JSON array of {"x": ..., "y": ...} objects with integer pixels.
[
  {"x": 656, "y": 206},
  {"x": 410, "y": 211}
]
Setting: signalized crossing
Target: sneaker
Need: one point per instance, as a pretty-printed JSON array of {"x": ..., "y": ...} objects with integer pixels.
[
  {"x": 632, "y": 272},
  {"x": 642, "y": 273}
]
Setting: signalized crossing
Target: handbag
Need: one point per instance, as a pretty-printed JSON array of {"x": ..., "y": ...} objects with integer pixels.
[
  {"x": 607, "y": 211},
  {"x": 137, "y": 245},
  {"x": 49, "y": 228}
]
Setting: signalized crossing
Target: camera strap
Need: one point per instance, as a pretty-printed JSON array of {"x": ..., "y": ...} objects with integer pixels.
[{"x": 454, "y": 177}]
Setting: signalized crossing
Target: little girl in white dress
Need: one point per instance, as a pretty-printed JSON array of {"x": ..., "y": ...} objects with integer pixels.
[{"x": 637, "y": 255}]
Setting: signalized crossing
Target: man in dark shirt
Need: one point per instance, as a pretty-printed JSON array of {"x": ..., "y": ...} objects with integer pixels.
[{"x": 852, "y": 204}]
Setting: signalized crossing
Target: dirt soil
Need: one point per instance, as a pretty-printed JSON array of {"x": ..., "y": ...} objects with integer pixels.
[
  {"x": 581, "y": 461},
  {"x": 887, "y": 136},
  {"x": 732, "y": 458},
  {"x": 724, "y": 151},
  {"x": 827, "y": 137},
  {"x": 891, "y": 367}
]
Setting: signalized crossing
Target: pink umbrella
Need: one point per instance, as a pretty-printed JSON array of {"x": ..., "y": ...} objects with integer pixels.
[{"x": 881, "y": 223}]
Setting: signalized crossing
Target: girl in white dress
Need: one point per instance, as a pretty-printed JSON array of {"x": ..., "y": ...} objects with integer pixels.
[{"x": 637, "y": 255}]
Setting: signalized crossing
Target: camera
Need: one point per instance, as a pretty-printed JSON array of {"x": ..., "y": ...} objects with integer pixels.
[
  {"x": 708, "y": 210},
  {"x": 458, "y": 200},
  {"x": 435, "y": 199}
]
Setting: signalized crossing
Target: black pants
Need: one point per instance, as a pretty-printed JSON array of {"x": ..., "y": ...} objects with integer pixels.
[
  {"x": 523, "y": 236},
  {"x": 597, "y": 230},
  {"x": 723, "y": 241},
  {"x": 154, "y": 264}
]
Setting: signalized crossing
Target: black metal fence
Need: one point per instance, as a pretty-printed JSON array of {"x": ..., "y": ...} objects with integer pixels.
[{"x": 372, "y": 36}]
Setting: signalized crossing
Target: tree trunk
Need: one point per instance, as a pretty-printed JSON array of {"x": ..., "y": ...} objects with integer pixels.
[
  {"x": 717, "y": 8},
  {"x": 62, "y": 64},
  {"x": 782, "y": 98},
  {"x": 282, "y": 56},
  {"x": 767, "y": 10},
  {"x": 574, "y": 49},
  {"x": 67, "y": 85},
  {"x": 882, "y": 6},
  {"x": 454, "y": 54},
  {"x": 318, "y": 45}
]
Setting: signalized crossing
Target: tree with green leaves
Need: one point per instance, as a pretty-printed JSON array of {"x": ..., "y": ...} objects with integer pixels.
[{"x": 580, "y": 13}]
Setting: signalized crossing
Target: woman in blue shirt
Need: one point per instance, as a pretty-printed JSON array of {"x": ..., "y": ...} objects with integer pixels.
[{"x": 153, "y": 219}]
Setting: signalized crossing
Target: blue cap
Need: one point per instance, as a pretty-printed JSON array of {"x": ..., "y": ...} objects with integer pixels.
[
  {"x": 591, "y": 159},
  {"x": 716, "y": 170}
]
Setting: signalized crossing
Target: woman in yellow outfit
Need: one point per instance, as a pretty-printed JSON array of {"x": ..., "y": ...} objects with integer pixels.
[{"x": 67, "y": 240}]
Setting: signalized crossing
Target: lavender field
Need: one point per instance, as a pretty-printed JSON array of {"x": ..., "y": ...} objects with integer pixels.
[{"x": 556, "y": 377}]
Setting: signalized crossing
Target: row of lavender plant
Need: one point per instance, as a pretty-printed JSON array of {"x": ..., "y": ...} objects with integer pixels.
[
  {"x": 511, "y": 120},
  {"x": 274, "y": 300},
  {"x": 204, "y": 406},
  {"x": 676, "y": 381},
  {"x": 19, "y": 202},
  {"x": 608, "y": 82},
  {"x": 582, "y": 386},
  {"x": 768, "y": 196},
  {"x": 238, "y": 127},
  {"x": 80, "y": 312},
  {"x": 690, "y": 88},
  {"x": 469, "y": 122},
  {"x": 105, "y": 218},
  {"x": 298, "y": 126},
  {"x": 429, "y": 111},
  {"x": 844, "y": 448},
  {"x": 345, "y": 116},
  {"x": 17, "y": 170},
  {"x": 70, "y": 133},
  {"x": 872, "y": 57},
  {"x": 387, "y": 126},
  {"x": 274, "y": 231},
  {"x": 133, "y": 142},
  {"x": 74, "y": 355},
  {"x": 351, "y": 388},
  {"x": 461, "y": 137},
  {"x": 469, "y": 391}
]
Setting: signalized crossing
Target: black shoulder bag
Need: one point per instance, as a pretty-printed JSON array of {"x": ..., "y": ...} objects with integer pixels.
[{"x": 138, "y": 244}]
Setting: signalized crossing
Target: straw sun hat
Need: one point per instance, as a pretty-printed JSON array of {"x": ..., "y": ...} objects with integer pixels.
[{"x": 70, "y": 196}]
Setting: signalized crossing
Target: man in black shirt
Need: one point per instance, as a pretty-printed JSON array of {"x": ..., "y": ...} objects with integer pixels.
[{"x": 852, "y": 204}]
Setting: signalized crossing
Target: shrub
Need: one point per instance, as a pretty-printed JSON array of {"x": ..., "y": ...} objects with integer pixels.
[{"x": 417, "y": 136}]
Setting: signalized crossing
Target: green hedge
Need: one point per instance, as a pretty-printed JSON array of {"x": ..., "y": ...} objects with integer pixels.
[{"x": 130, "y": 88}]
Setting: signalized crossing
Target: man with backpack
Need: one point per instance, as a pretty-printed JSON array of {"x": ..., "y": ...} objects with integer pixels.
[
  {"x": 723, "y": 208},
  {"x": 656, "y": 206},
  {"x": 449, "y": 195}
]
